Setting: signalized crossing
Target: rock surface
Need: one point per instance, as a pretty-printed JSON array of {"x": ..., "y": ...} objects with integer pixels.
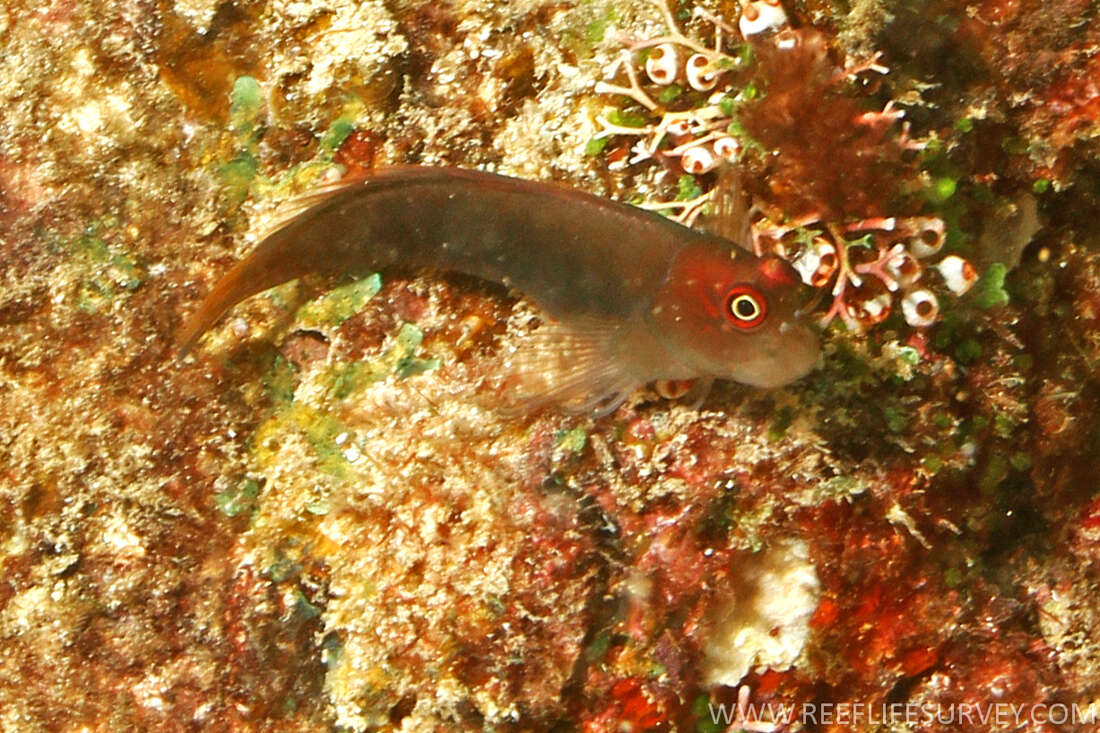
[{"x": 309, "y": 524}]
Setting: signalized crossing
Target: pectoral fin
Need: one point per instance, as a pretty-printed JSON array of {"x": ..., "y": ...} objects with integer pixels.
[{"x": 570, "y": 367}]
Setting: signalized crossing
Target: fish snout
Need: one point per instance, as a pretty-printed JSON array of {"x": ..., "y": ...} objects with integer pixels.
[{"x": 789, "y": 354}]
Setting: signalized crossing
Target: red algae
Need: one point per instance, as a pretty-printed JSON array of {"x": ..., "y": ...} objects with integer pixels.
[
  {"x": 785, "y": 125},
  {"x": 825, "y": 162}
]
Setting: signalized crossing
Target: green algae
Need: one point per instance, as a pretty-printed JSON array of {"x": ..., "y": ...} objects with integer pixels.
[
  {"x": 408, "y": 364},
  {"x": 595, "y": 146},
  {"x": 996, "y": 471},
  {"x": 282, "y": 567},
  {"x": 968, "y": 351},
  {"x": 1015, "y": 145},
  {"x": 241, "y": 174},
  {"x": 280, "y": 381},
  {"x": 867, "y": 241},
  {"x": 784, "y": 418},
  {"x": 303, "y": 608},
  {"x": 1021, "y": 461},
  {"x": 111, "y": 270},
  {"x": 596, "y": 29},
  {"x": 340, "y": 303},
  {"x": 240, "y": 170},
  {"x": 897, "y": 421},
  {"x": 239, "y": 499},
  {"x": 571, "y": 441},
  {"x": 336, "y": 134},
  {"x": 669, "y": 93},
  {"x": 687, "y": 188},
  {"x": 990, "y": 291},
  {"x": 625, "y": 118},
  {"x": 301, "y": 176},
  {"x": 932, "y": 464},
  {"x": 909, "y": 355},
  {"x": 346, "y": 378},
  {"x": 943, "y": 188},
  {"x": 319, "y": 429},
  {"x": 323, "y": 431},
  {"x": 705, "y": 719},
  {"x": 244, "y": 109}
]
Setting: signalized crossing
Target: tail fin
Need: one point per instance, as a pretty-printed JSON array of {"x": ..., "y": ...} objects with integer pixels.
[
  {"x": 287, "y": 250},
  {"x": 230, "y": 289}
]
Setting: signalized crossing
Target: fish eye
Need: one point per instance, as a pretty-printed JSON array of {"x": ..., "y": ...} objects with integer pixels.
[{"x": 745, "y": 307}]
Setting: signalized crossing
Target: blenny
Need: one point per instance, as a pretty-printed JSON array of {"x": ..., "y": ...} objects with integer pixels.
[{"x": 632, "y": 296}]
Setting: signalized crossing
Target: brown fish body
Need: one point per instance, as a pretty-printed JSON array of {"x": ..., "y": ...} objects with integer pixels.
[{"x": 604, "y": 270}]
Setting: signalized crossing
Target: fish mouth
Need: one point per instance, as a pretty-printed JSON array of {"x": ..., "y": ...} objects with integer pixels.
[
  {"x": 790, "y": 355},
  {"x": 808, "y": 351}
]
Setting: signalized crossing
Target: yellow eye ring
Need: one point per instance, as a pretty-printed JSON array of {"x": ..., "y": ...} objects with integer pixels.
[{"x": 745, "y": 307}]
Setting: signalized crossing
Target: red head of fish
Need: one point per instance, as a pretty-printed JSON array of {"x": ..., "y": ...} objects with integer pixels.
[{"x": 734, "y": 316}]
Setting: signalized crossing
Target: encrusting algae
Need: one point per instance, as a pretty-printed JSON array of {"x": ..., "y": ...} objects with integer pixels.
[{"x": 310, "y": 525}]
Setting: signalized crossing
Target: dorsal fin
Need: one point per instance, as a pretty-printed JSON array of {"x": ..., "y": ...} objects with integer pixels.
[
  {"x": 291, "y": 208},
  {"x": 730, "y": 219}
]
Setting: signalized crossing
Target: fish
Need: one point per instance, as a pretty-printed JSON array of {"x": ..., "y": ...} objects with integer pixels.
[{"x": 631, "y": 297}]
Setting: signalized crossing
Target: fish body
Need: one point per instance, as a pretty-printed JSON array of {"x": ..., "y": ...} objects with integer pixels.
[{"x": 634, "y": 296}]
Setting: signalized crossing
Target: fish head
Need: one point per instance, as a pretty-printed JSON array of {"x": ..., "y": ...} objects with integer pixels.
[{"x": 728, "y": 314}]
